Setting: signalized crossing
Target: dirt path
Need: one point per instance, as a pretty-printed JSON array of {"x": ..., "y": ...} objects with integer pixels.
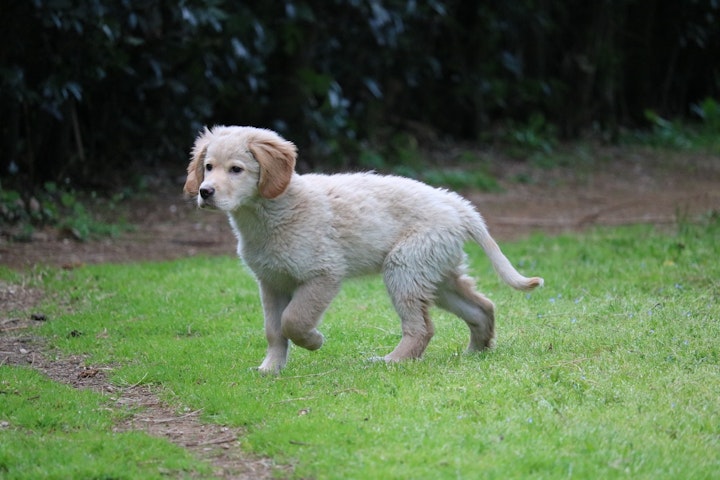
[
  {"x": 217, "y": 444},
  {"x": 628, "y": 188}
]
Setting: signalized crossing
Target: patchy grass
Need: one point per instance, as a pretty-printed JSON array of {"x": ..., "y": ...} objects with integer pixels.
[
  {"x": 612, "y": 370},
  {"x": 49, "y": 430}
]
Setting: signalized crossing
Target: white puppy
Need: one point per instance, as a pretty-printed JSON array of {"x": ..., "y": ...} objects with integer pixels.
[{"x": 301, "y": 235}]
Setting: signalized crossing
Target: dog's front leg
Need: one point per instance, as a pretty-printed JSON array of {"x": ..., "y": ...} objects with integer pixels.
[
  {"x": 304, "y": 312},
  {"x": 274, "y": 304}
]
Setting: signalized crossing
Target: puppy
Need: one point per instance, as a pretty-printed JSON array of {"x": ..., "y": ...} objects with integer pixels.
[{"x": 301, "y": 235}]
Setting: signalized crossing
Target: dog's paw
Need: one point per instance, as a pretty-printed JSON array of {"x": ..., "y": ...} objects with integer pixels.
[
  {"x": 268, "y": 370},
  {"x": 318, "y": 339},
  {"x": 270, "y": 366},
  {"x": 311, "y": 340},
  {"x": 386, "y": 359},
  {"x": 375, "y": 359}
]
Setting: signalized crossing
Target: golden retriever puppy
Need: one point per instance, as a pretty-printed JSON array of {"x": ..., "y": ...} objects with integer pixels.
[{"x": 301, "y": 235}]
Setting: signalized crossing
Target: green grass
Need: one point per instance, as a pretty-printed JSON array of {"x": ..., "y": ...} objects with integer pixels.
[
  {"x": 611, "y": 371},
  {"x": 54, "y": 431}
]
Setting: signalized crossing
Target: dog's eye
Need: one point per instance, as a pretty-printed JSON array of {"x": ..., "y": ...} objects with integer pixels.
[
  {"x": 208, "y": 167},
  {"x": 236, "y": 169}
]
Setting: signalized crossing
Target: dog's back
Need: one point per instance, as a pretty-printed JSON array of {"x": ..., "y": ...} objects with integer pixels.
[
  {"x": 391, "y": 202},
  {"x": 371, "y": 213}
]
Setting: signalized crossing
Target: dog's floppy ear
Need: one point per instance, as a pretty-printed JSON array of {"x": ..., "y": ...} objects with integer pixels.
[
  {"x": 276, "y": 157},
  {"x": 196, "y": 168}
]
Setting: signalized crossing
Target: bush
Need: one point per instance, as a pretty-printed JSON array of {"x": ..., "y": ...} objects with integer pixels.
[
  {"x": 88, "y": 87},
  {"x": 51, "y": 206}
]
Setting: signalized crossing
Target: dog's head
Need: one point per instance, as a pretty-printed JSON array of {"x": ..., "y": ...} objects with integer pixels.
[{"x": 231, "y": 165}]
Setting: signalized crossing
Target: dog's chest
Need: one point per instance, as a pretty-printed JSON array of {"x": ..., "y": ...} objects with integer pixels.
[
  {"x": 282, "y": 247},
  {"x": 281, "y": 271},
  {"x": 281, "y": 259}
]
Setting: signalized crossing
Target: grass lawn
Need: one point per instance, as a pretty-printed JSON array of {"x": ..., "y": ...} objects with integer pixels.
[{"x": 610, "y": 371}]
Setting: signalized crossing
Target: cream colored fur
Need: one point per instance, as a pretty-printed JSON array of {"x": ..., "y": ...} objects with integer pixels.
[{"x": 301, "y": 235}]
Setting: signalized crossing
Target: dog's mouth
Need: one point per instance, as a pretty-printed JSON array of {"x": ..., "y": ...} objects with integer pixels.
[
  {"x": 214, "y": 204},
  {"x": 208, "y": 204}
]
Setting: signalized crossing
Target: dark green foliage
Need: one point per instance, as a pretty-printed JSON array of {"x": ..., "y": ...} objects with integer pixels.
[
  {"x": 88, "y": 87},
  {"x": 61, "y": 208}
]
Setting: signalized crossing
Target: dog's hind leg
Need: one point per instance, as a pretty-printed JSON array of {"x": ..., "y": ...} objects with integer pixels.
[
  {"x": 417, "y": 330},
  {"x": 457, "y": 295},
  {"x": 303, "y": 314},
  {"x": 411, "y": 296}
]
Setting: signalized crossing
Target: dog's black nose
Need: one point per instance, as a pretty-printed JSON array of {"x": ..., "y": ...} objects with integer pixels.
[{"x": 206, "y": 193}]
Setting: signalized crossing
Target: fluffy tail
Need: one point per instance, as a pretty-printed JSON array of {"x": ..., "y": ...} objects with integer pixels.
[{"x": 499, "y": 261}]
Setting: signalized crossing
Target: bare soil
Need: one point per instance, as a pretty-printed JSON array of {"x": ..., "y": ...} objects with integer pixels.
[{"x": 616, "y": 187}]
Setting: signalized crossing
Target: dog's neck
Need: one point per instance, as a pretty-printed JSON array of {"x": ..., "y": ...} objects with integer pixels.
[{"x": 257, "y": 220}]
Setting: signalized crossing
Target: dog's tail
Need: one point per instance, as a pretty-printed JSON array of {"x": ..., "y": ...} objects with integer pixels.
[{"x": 500, "y": 263}]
